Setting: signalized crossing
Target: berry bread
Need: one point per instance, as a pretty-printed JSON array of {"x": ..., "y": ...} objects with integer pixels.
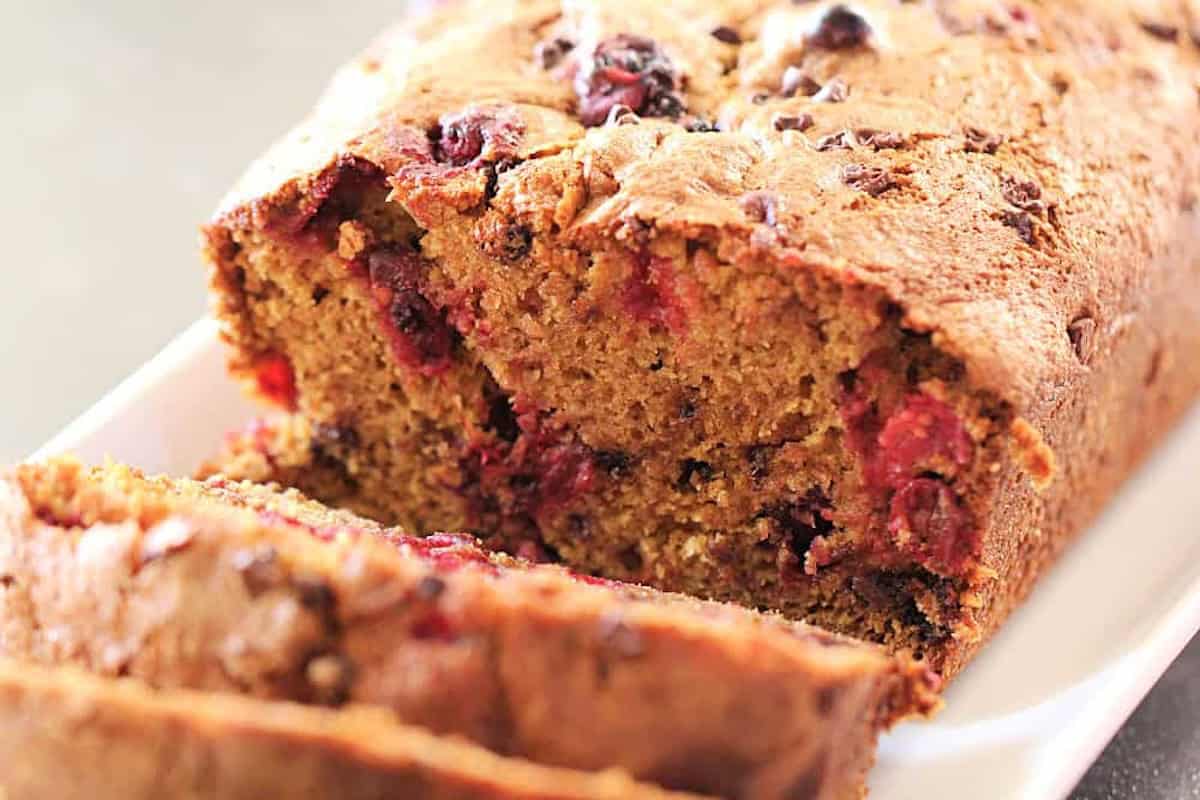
[
  {"x": 72, "y": 736},
  {"x": 236, "y": 588},
  {"x": 858, "y": 311}
]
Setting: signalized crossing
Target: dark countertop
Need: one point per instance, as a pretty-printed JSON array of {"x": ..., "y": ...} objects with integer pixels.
[{"x": 1156, "y": 756}]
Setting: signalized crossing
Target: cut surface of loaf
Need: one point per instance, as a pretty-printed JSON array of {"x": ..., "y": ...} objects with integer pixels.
[
  {"x": 855, "y": 311},
  {"x": 70, "y": 735},
  {"x": 237, "y": 588}
]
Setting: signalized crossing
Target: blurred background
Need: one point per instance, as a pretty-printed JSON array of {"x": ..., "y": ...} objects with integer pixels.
[{"x": 123, "y": 123}]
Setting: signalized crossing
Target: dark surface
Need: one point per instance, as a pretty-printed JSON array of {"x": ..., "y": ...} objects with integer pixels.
[{"x": 1156, "y": 755}]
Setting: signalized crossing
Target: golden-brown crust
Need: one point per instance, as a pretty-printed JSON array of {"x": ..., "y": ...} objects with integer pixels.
[
  {"x": 73, "y": 736},
  {"x": 228, "y": 587}
]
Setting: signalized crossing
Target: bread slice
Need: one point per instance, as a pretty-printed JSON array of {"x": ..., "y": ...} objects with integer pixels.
[
  {"x": 68, "y": 735},
  {"x": 231, "y": 587},
  {"x": 856, "y": 311}
]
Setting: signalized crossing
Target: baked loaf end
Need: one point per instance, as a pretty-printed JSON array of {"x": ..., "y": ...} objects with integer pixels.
[
  {"x": 856, "y": 311},
  {"x": 73, "y": 736},
  {"x": 236, "y": 588}
]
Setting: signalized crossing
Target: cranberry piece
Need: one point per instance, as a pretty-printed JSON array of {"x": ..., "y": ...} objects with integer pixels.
[
  {"x": 433, "y": 626},
  {"x": 276, "y": 380},
  {"x": 478, "y": 134},
  {"x": 840, "y": 29},
  {"x": 649, "y": 293},
  {"x": 929, "y": 523},
  {"x": 420, "y": 335},
  {"x": 633, "y": 71},
  {"x": 921, "y": 431}
]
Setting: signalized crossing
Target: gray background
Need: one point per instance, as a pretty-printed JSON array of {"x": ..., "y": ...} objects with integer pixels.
[{"x": 123, "y": 122}]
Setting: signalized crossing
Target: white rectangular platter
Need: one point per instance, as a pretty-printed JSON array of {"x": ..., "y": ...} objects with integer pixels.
[{"x": 1024, "y": 721}]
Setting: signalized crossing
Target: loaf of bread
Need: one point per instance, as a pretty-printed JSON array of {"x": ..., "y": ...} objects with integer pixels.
[
  {"x": 236, "y": 588},
  {"x": 858, "y": 311},
  {"x": 68, "y": 735}
]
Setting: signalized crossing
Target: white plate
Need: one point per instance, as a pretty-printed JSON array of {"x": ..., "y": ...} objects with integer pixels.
[{"x": 1024, "y": 721}]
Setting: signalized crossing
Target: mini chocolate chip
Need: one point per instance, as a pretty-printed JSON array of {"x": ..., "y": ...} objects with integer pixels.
[
  {"x": 690, "y": 467},
  {"x": 1161, "y": 30},
  {"x": 840, "y": 29},
  {"x": 792, "y": 122},
  {"x": 319, "y": 294},
  {"x": 1024, "y": 194},
  {"x": 511, "y": 243},
  {"x": 761, "y": 207},
  {"x": 429, "y": 588},
  {"x": 726, "y": 34},
  {"x": 1083, "y": 338},
  {"x": 701, "y": 125},
  {"x": 1022, "y": 223},
  {"x": 836, "y": 91},
  {"x": 550, "y": 53},
  {"x": 880, "y": 140},
  {"x": 977, "y": 140},
  {"x": 871, "y": 180},
  {"x": 260, "y": 569},
  {"x": 842, "y": 140},
  {"x": 339, "y": 435},
  {"x": 6, "y": 581},
  {"x": 315, "y": 594},
  {"x": 331, "y": 677},
  {"x": 579, "y": 526},
  {"x": 687, "y": 409},
  {"x": 758, "y": 98},
  {"x": 797, "y": 81},
  {"x": 759, "y": 457},
  {"x": 614, "y": 462}
]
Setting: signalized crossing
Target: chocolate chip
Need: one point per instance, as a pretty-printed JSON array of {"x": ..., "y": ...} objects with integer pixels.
[
  {"x": 760, "y": 457},
  {"x": 260, "y": 569},
  {"x": 792, "y": 122},
  {"x": 689, "y": 468},
  {"x": 758, "y": 98},
  {"x": 977, "y": 140},
  {"x": 550, "y": 53},
  {"x": 701, "y": 125},
  {"x": 429, "y": 588},
  {"x": 614, "y": 462},
  {"x": 1161, "y": 30},
  {"x": 842, "y": 140},
  {"x": 315, "y": 594},
  {"x": 336, "y": 435},
  {"x": 871, "y": 180},
  {"x": 761, "y": 207},
  {"x": 687, "y": 409},
  {"x": 7, "y": 581},
  {"x": 319, "y": 294},
  {"x": 880, "y": 140},
  {"x": 1082, "y": 333},
  {"x": 836, "y": 91},
  {"x": 726, "y": 34},
  {"x": 331, "y": 677},
  {"x": 1024, "y": 194},
  {"x": 840, "y": 29},
  {"x": 1022, "y": 223},
  {"x": 510, "y": 244},
  {"x": 579, "y": 527},
  {"x": 797, "y": 81}
]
